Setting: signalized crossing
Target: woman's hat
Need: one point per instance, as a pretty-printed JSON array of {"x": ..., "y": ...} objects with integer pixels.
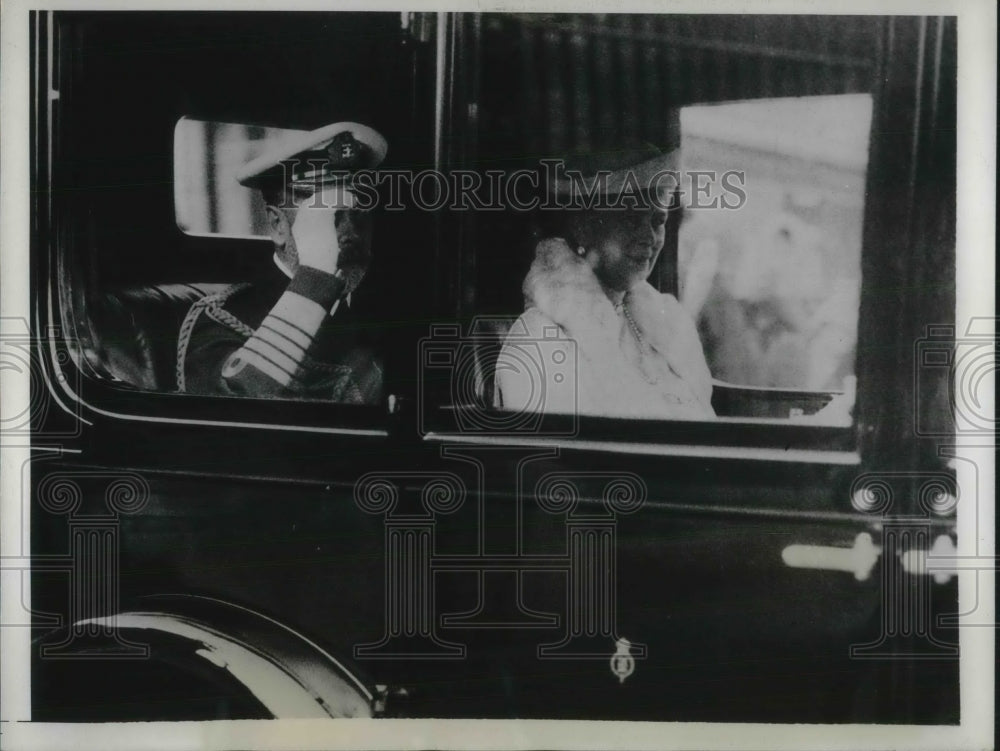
[{"x": 607, "y": 172}]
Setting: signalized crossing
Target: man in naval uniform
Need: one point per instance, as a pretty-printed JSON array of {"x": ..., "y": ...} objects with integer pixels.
[{"x": 294, "y": 335}]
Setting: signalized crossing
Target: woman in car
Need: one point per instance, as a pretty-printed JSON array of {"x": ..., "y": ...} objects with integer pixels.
[{"x": 595, "y": 337}]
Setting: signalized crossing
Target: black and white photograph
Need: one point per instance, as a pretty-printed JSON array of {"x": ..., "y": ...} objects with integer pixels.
[{"x": 509, "y": 377}]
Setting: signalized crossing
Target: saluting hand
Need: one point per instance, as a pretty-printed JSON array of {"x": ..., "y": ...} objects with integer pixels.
[{"x": 314, "y": 229}]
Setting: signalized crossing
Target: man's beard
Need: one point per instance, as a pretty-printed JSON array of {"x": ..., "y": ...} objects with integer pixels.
[{"x": 354, "y": 274}]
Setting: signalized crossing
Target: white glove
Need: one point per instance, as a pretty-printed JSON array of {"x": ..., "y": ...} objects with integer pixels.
[{"x": 314, "y": 229}]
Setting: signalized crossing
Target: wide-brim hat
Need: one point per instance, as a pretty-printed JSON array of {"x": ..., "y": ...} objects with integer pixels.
[
  {"x": 314, "y": 158},
  {"x": 608, "y": 171}
]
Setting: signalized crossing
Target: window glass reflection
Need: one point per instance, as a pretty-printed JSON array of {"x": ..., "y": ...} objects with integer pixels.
[{"x": 774, "y": 286}]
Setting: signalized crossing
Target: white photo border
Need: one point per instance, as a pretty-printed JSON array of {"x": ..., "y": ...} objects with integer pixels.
[{"x": 977, "y": 66}]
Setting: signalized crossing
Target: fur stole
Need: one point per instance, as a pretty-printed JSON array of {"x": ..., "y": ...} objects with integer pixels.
[{"x": 562, "y": 286}]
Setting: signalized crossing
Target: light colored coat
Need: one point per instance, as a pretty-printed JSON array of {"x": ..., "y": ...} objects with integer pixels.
[{"x": 571, "y": 351}]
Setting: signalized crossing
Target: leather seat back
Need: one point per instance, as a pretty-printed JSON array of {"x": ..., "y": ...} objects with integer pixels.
[
  {"x": 137, "y": 330},
  {"x": 488, "y": 334}
]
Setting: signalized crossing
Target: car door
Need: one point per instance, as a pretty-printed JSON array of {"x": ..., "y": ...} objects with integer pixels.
[
  {"x": 756, "y": 568},
  {"x": 752, "y": 568},
  {"x": 246, "y": 503}
]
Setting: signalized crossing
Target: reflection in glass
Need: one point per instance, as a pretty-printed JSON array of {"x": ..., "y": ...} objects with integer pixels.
[
  {"x": 774, "y": 285},
  {"x": 207, "y": 156}
]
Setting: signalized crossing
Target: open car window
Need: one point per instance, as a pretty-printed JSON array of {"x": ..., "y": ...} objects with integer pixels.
[
  {"x": 208, "y": 198},
  {"x": 754, "y": 292},
  {"x": 761, "y": 261},
  {"x": 773, "y": 279},
  {"x": 768, "y": 209},
  {"x": 174, "y": 269}
]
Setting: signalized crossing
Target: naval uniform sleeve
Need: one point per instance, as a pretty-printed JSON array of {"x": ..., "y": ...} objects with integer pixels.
[
  {"x": 211, "y": 344},
  {"x": 270, "y": 362}
]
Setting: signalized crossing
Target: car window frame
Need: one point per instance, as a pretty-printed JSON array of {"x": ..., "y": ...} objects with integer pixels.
[{"x": 864, "y": 440}]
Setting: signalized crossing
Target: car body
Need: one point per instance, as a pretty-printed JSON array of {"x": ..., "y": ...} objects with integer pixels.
[{"x": 754, "y": 568}]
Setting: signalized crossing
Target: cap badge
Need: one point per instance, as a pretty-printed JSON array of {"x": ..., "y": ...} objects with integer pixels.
[{"x": 346, "y": 152}]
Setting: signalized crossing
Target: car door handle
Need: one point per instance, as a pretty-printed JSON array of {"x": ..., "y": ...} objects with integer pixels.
[
  {"x": 861, "y": 558},
  {"x": 940, "y": 561},
  {"x": 858, "y": 560}
]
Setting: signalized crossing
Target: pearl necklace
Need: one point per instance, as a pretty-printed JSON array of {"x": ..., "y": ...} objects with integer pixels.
[
  {"x": 670, "y": 397},
  {"x": 622, "y": 307},
  {"x": 632, "y": 325}
]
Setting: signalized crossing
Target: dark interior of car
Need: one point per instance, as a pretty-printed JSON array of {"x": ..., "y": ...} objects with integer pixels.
[
  {"x": 140, "y": 272},
  {"x": 137, "y": 273}
]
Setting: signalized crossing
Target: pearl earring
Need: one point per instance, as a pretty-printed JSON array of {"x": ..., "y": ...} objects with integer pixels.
[{"x": 580, "y": 251}]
